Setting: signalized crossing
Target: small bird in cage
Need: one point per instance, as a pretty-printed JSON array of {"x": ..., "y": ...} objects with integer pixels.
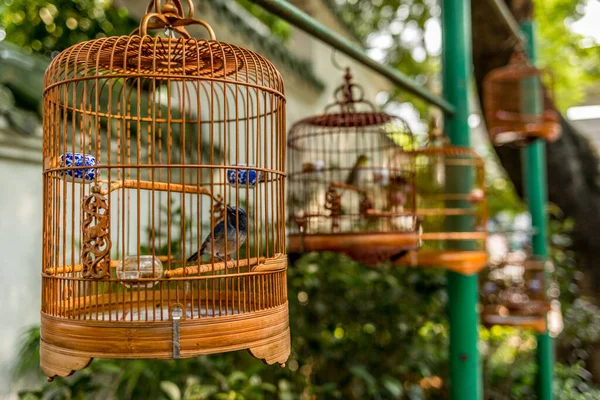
[
  {"x": 353, "y": 176},
  {"x": 214, "y": 244}
]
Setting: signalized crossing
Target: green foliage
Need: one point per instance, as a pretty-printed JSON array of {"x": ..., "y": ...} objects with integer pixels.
[
  {"x": 396, "y": 29},
  {"x": 501, "y": 194},
  {"x": 574, "y": 383},
  {"x": 357, "y": 333},
  {"x": 278, "y": 27},
  {"x": 571, "y": 58},
  {"x": 346, "y": 317},
  {"x": 509, "y": 369},
  {"x": 43, "y": 26},
  {"x": 563, "y": 257}
]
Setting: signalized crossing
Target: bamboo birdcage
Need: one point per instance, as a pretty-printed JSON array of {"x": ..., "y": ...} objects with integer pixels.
[
  {"x": 512, "y": 115},
  {"x": 150, "y": 144},
  {"x": 451, "y": 206},
  {"x": 514, "y": 291},
  {"x": 345, "y": 193}
]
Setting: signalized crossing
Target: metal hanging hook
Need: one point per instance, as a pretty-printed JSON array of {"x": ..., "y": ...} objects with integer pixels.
[{"x": 335, "y": 62}]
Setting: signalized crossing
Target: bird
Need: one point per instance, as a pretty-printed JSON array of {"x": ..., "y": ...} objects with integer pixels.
[
  {"x": 214, "y": 244},
  {"x": 353, "y": 176}
]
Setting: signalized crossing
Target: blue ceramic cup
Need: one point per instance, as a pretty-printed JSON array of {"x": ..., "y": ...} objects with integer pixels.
[
  {"x": 79, "y": 160},
  {"x": 243, "y": 176}
]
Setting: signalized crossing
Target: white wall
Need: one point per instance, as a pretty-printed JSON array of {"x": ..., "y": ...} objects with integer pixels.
[{"x": 20, "y": 246}]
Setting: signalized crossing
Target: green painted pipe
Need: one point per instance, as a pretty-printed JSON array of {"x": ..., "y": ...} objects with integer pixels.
[
  {"x": 465, "y": 365},
  {"x": 296, "y": 17},
  {"x": 536, "y": 182}
]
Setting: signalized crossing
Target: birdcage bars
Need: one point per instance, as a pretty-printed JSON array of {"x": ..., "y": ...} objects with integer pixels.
[
  {"x": 157, "y": 147},
  {"x": 514, "y": 291},
  {"x": 510, "y": 118},
  {"x": 451, "y": 206},
  {"x": 345, "y": 193}
]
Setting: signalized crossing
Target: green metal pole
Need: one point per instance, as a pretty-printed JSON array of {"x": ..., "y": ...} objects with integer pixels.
[
  {"x": 465, "y": 366},
  {"x": 536, "y": 191}
]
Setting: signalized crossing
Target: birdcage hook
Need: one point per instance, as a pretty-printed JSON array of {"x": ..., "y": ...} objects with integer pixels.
[{"x": 335, "y": 62}]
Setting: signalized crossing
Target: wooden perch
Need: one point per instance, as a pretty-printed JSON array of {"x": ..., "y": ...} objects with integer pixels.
[
  {"x": 446, "y": 211},
  {"x": 341, "y": 185},
  {"x": 219, "y": 266},
  {"x": 260, "y": 264},
  {"x": 389, "y": 214},
  {"x": 160, "y": 186}
]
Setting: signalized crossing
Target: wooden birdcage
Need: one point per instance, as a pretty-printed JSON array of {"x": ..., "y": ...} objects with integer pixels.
[
  {"x": 155, "y": 148},
  {"x": 514, "y": 291},
  {"x": 451, "y": 206},
  {"x": 511, "y": 115},
  {"x": 345, "y": 192}
]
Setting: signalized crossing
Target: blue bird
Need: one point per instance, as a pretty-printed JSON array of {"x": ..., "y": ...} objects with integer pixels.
[{"x": 214, "y": 243}]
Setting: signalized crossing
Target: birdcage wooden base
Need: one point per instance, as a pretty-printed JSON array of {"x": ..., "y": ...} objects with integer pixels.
[
  {"x": 532, "y": 307},
  {"x": 461, "y": 261},
  {"x": 537, "y": 323},
  {"x": 368, "y": 248},
  {"x": 522, "y": 134},
  {"x": 68, "y": 345}
]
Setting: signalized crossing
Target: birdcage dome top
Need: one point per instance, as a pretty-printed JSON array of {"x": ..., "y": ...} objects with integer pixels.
[
  {"x": 178, "y": 56},
  {"x": 164, "y": 58},
  {"x": 352, "y": 119},
  {"x": 517, "y": 69}
]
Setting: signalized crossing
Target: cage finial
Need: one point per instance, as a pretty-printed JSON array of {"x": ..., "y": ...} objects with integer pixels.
[
  {"x": 345, "y": 96},
  {"x": 519, "y": 57},
  {"x": 348, "y": 87},
  {"x": 436, "y": 135},
  {"x": 171, "y": 16}
]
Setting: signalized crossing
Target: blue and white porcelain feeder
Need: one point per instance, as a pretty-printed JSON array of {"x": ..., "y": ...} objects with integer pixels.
[
  {"x": 243, "y": 176},
  {"x": 81, "y": 175}
]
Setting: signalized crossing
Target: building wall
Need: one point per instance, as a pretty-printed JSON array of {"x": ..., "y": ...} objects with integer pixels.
[{"x": 20, "y": 244}]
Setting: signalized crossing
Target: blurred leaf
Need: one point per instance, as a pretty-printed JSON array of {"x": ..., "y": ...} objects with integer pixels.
[
  {"x": 171, "y": 390},
  {"x": 394, "y": 386}
]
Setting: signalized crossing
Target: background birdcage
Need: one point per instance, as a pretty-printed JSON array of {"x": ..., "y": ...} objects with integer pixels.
[
  {"x": 514, "y": 290},
  {"x": 345, "y": 192},
  {"x": 150, "y": 144},
  {"x": 451, "y": 205},
  {"x": 512, "y": 117}
]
